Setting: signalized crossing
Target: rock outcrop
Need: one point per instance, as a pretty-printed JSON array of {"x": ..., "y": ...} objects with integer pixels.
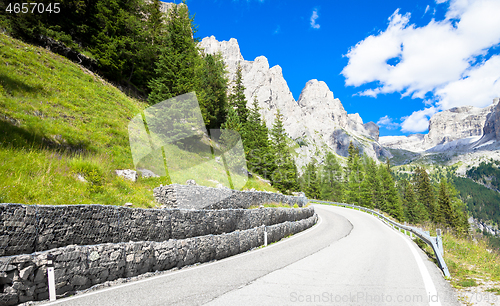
[
  {"x": 492, "y": 124},
  {"x": 457, "y": 130},
  {"x": 316, "y": 120},
  {"x": 456, "y": 123}
]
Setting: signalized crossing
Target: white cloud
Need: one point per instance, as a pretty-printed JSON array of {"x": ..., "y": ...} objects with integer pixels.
[
  {"x": 387, "y": 122},
  {"x": 480, "y": 85},
  {"x": 437, "y": 58},
  {"x": 314, "y": 16},
  {"x": 278, "y": 30},
  {"x": 418, "y": 121},
  {"x": 427, "y": 9}
]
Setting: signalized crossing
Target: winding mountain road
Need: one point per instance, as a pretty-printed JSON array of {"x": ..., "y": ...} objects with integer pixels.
[{"x": 348, "y": 258}]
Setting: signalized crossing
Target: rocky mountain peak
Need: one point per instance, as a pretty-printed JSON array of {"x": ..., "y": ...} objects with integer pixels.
[
  {"x": 315, "y": 91},
  {"x": 467, "y": 133},
  {"x": 230, "y": 49},
  {"x": 456, "y": 123},
  {"x": 317, "y": 118}
]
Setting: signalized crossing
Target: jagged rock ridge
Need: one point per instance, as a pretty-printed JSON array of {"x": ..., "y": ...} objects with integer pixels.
[
  {"x": 317, "y": 119},
  {"x": 461, "y": 129}
]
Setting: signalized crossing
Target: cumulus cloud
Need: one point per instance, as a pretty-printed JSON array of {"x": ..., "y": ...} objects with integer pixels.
[
  {"x": 387, "y": 122},
  {"x": 479, "y": 86},
  {"x": 440, "y": 58},
  {"x": 418, "y": 121},
  {"x": 314, "y": 16}
]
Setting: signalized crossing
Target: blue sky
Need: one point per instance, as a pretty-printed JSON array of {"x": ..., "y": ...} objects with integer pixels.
[{"x": 394, "y": 62}]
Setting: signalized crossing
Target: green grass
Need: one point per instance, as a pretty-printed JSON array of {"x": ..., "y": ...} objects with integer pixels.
[
  {"x": 469, "y": 261},
  {"x": 467, "y": 283},
  {"x": 494, "y": 290},
  {"x": 58, "y": 120},
  {"x": 274, "y": 205},
  {"x": 258, "y": 185}
]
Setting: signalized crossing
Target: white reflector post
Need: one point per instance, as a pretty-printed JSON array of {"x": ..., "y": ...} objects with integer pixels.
[
  {"x": 265, "y": 236},
  {"x": 51, "y": 278}
]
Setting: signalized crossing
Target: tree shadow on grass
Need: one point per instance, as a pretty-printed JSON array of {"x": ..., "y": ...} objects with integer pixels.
[
  {"x": 14, "y": 87},
  {"x": 17, "y": 137}
]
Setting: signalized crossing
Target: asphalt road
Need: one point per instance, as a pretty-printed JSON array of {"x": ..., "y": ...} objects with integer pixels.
[{"x": 348, "y": 258}]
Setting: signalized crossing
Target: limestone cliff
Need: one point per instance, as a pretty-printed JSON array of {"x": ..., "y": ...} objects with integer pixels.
[
  {"x": 317, "y": 119},
  {"x": 459, "y": 129}
]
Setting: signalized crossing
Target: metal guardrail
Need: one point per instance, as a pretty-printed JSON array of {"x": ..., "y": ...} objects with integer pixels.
[{"x": 435, "y": 242}]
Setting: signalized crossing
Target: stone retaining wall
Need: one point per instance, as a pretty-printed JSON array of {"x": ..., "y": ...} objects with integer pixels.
[
  {"x": 26, "y": 229},
  {"x": 201, "y": 197},
  {"x": 23, "y": 277}
]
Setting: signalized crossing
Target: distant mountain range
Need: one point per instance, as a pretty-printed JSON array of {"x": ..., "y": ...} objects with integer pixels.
[
  {"x": 467, "y": 134},
  {"x": 318, "y": 121}
]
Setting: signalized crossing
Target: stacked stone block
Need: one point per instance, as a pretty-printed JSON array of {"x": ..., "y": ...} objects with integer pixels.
[
  {"x": 201, "y": 197},
  {"x": 23, "y": 277},
  {"x": 26, "y": 229}
]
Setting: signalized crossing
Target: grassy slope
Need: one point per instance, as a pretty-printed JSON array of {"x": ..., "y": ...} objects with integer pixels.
[
  {"x": 472, "y": 264},
  {"x": 57, "y": 120}
]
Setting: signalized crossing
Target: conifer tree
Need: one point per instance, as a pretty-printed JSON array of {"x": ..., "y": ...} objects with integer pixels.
[
  {"x": 237, "y": 99},
  {"x": 354, "y": 181},
  {"x": 178, "y": 66},
  {"x": 284, "y": 176},
  {"x": 311, "y": 182},
  {"x": 392, "y": 204},
  {"x": 332, "y": 187},
  {"x": 256, "y": 142},
  {"x": 414, "y": 211},
  {"x": 352, "y": 152},
  {"x": 444, "y": 213},
  {"x": 228, "y": 138},
  {"x": 425, "y": 191},
  {"x": 212, "y": 91},
  {"x": 366, "y": 193},
  {"x": 371, "y": 186}
]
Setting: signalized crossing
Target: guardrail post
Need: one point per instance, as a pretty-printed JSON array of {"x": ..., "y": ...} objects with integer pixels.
[
  {"x": 439, "y": 241},
  {"x": 405, "y": 230}
]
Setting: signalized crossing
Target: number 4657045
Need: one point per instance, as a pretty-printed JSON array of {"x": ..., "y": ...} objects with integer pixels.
[{"x": 33, "y": 8}]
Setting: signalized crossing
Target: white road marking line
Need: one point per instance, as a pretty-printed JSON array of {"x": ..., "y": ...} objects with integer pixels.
[
  {"x": 426, "y": 277},
  {"x": 315, "y": 226},
  {"x": 430, "y": 288}
]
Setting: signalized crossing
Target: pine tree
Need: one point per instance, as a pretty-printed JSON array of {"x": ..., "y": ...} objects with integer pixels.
[
  {"x": 212, "y": 91},
  {"x": 354, "y": 181},
  {"x": 392, "y": 204},
  {"x": 332, "y": 187},
  {"x": 311, "y": 181},
  {"x": 352, "y": 152},
  {"x": 284, "y": 176},
  {"x": 372, "y": 188},
  {"x": 178, "y": 66},
  {"x": 425, "y": 192},
  {"x": 414, "y": 211},
  {"x": 256, "y": 142},
  {"x": 228, "y": 138},
  {"x": 444, "y": 213},
  {"x": 366, "y": 193},
  {"x": 237, "y": 99}
]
